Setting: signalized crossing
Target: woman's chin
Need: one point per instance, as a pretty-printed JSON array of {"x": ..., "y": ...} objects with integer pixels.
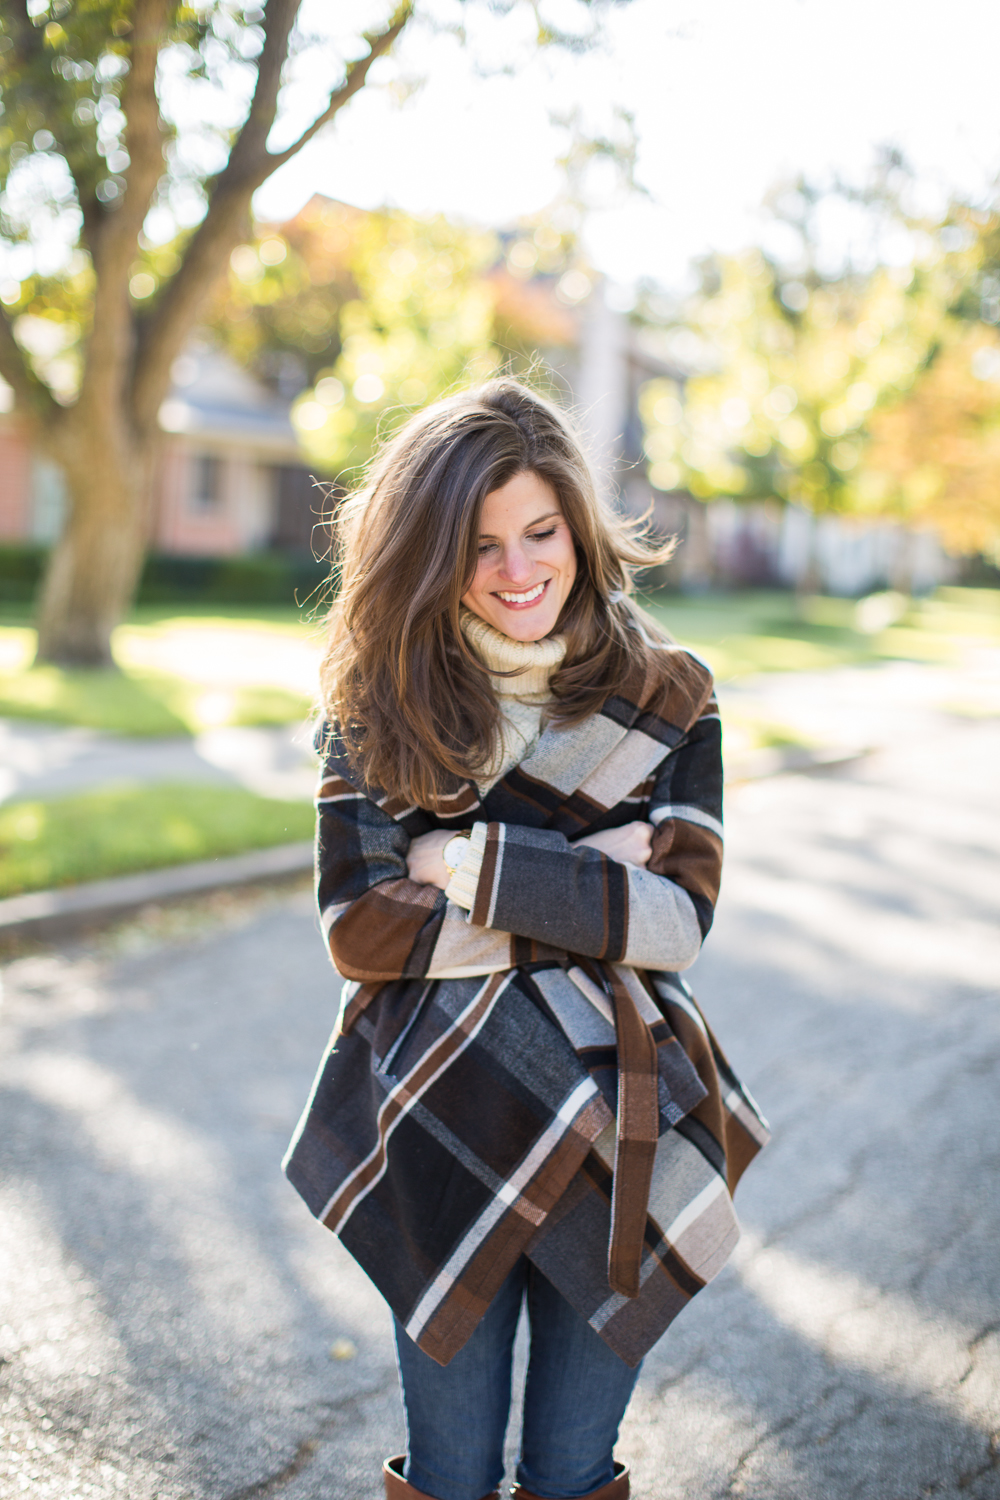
[{"x": 523, "y": 626}]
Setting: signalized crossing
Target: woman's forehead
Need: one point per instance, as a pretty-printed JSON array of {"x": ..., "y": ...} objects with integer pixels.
[{"x": 523, "y": 501}]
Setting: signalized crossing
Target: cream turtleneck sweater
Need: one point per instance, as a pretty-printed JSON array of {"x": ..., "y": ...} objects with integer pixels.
[{"x": 522, "y": 701}]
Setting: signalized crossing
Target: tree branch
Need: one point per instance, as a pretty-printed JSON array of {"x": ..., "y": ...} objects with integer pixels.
[
  {"x": 355, "y": 80},
  {"x": 250, "y": 146},
  {"x": 144, "y": 129},
  {"x": 32, "y": 396},
  {"x": 249, "y": 164},
  {"x": 110, "y": 348},
  {"x": 27, "y": 38}
]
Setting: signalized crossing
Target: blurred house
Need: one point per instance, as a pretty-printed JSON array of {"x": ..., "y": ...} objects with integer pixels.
[
  {"x": 231, "y": 477},
  {"x": 760, "y": 544}
]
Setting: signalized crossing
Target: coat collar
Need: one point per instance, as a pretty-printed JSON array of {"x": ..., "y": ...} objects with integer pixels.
[{"x": 573, "y": 776}]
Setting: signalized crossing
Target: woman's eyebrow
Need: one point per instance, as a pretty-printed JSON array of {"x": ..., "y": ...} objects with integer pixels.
[{"x": 549, "y": 515}]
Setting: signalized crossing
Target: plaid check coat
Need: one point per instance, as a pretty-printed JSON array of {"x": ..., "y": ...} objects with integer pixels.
[{"x": 534, "y": 1076}]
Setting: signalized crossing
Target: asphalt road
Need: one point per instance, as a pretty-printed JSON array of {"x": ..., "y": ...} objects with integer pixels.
[{"x": 170, "y": 1312}]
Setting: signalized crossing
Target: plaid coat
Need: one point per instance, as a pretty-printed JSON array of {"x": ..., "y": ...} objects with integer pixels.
[{"x": 532, "y": 1077}]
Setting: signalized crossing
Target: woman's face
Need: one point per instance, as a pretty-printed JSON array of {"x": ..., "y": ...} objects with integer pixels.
[{"x": 527, "y": 561}]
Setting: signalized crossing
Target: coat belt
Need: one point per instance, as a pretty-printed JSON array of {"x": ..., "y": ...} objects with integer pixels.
[{"x": 638, "y": 1125}]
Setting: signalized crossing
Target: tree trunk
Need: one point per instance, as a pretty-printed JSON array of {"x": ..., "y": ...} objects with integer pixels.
[{"x": 93, "y": 570}]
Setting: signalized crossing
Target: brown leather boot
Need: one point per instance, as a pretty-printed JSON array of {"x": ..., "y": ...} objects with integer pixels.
[
  {"x": 616, "y": 1490},
  {"x": 396, "y": 1487}
]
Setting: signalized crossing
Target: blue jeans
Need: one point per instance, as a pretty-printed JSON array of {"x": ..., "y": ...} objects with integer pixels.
[{"x": 575, "y": 1397}]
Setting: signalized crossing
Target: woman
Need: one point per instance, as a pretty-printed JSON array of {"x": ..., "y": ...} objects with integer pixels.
[{"x": 519, "y": 848}]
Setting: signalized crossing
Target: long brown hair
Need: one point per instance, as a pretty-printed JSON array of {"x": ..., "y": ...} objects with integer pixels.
[{"x": 413, "y": 704}]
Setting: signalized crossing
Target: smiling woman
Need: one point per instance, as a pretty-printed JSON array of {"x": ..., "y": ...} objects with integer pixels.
[
  {"x": 483, "y": 495},
  {"x": 518, "y": 848},
  {"x": 527, "y": 560}
]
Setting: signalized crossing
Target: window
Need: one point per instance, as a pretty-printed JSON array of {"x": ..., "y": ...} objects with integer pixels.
[{"x": 206, "y": 493}]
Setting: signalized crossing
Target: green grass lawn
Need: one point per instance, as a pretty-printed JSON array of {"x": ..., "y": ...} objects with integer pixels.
[
  {"x": 141, "y": 703},
  {"x": 768, "y": 631},
  {"x": 178, "y": 674},
  {"x": 119, "y": 830}
]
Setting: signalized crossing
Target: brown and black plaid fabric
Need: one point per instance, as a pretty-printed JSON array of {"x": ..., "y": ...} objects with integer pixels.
[{"x": 532, "y": 1076}]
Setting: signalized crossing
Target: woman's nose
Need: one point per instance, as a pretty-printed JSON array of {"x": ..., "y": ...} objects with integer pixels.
[{"x": 516, "y": 565}]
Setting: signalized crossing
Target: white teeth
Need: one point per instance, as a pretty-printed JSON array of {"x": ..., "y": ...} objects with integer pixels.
[{"x": 525, "y": 597}]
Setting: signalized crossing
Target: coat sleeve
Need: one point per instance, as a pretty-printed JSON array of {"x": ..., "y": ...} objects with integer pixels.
[
  {"x": 535, "y": 883},
  {"x": 379, "y": 924}
]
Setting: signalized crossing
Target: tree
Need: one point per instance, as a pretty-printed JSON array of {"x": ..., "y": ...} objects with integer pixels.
[
  {"x": 80, "y": 85},
  {"x": 935, "y": 457},
  {"x": 792, "y": 354},
  {"x": 791, "y": 369},
  {"x": 85, "y": 138},
  {"x": 366, "y": 315},
  {"x": 382, "y": 311},
  {"x": 934, "y": 454},
  {"x": 277, "y": 312},
  {"x": 864, "y": 389}
]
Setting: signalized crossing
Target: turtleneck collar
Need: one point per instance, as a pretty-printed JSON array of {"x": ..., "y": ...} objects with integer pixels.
[{"x": 534, "y": 661}]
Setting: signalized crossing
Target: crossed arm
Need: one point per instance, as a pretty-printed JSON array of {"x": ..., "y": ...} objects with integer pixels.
[
  {"x": 642, "y": 894},
  {"x": 629, "y": 845}
]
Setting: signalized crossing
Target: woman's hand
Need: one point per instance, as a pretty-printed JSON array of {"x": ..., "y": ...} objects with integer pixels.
[
  {"x": 424, "y": 863},
  {"x": 630, "y": 845}
]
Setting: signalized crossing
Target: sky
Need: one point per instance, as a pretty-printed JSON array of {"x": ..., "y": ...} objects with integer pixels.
[{"x": 728, "y": 98}]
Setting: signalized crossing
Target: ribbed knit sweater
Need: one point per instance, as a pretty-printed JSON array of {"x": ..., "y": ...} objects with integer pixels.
[{"x": 522, "y": 700}]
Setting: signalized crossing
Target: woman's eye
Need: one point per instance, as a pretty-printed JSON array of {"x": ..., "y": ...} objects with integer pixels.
[{"x": 532, "y": 536}]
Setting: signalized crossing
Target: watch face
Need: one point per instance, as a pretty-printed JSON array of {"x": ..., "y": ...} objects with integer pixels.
[{"x": 454, "y": 851}]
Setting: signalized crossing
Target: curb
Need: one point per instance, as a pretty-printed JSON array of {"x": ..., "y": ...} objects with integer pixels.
[{"x": 48, "y": 914}]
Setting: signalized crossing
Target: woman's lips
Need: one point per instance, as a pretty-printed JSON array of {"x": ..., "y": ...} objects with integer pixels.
[{"x": 523, "y": 603}]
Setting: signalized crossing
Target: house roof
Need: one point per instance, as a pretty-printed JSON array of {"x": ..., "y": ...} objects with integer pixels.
[{"x": 215, "y": 400}]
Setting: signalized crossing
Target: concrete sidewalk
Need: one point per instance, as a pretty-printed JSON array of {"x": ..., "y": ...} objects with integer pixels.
[
  {"x": 47, "y": 760},
  {"x": 177, "y": 1324}
]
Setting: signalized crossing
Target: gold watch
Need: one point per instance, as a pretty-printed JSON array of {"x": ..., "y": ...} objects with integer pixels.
[{"x": 455, "y": 850}]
